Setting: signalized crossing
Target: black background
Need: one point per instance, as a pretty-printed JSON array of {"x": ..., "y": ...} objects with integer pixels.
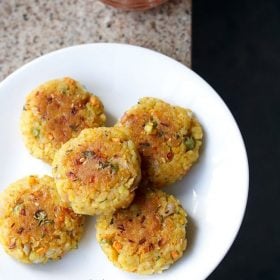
[{"x": 236, "y": 48}]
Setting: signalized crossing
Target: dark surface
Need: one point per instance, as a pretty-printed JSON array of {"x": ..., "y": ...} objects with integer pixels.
[{"x": 236, "y": 48}]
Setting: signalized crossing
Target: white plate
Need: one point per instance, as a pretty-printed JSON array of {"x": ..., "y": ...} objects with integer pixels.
[{"x": 214, "y": 193}]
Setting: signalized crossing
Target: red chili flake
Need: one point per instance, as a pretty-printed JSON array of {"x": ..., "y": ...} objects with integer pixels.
[
  {"x": 170, "y": 156},
  {"x": 49, "y": 99},
  {"x": 145, "y": 144},
  {"x": 72, "y": 176},
  {"x": 74, "y": 111},
  {"x": 12, "y": 245},
  {"x": 62, "y": 119},
  {"x": 92, "y": 179},
  {"x": 77, "y": 161},
  {"x": 22, "y": 212},
  {"x": 142, "y": 219},
  {"x": 151, "y": 246},
  {"x": 20, "y": 230},
  {"x": 121, "y": 228},
  {"x": 164, "y": 124},
  {"x": 161, "y": 242},
  {"x": 142, "y": 241}
]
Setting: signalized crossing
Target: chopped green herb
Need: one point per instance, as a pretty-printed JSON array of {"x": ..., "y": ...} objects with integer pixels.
[
  {"x": 190, "y": 143},
  {"x": 69, "y": 151},
  {"x": 150, "y": 127},
  {"x": 36, "y": 132},
  {"x": 42, "y": 217},
  {"x": 160, "y": 133},
  {"x": 63, "y": 88},
  {"x": 17, "y": 209},
  {"x": 89, "y": 110},
  {"x": 145, "y": 144},
  {"x": 24, "y": 108},
  {"x": 103, "y": 165},
  {"x": 88, "y": 154},
  {"x": 74, "y": 127},
  {"x": 105, "y": 241},
  {"x": 114, "y": 168}
]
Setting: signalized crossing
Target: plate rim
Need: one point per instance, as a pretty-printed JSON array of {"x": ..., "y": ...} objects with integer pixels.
[{"x": 211, "y": 90}]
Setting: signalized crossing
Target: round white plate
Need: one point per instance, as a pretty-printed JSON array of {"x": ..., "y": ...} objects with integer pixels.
[{"x": 214, "y": 193}]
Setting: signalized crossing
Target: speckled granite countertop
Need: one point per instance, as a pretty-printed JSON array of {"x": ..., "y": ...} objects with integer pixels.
[{"x": 30, "y": 28}]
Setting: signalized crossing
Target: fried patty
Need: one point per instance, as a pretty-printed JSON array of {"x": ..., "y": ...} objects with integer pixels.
[
  {"x": 167, "y": 137},
  {"x": 98, "y": 171},
  {"x": 35, "y": 226},
  {"x": 148, "y": 236},
  {"x": 55, "y": 112}
]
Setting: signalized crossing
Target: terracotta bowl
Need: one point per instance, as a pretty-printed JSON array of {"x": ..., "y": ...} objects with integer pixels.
[{"x": 134, "y": 4}]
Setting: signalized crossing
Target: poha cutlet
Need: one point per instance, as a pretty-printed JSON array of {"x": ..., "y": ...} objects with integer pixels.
[
  {"x": 98, "y": 171},
  {"x": 55, "y": 112},
  {"x": 35, "y": 226}
]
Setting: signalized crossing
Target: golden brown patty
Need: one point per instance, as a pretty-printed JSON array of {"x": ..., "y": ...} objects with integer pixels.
[
  {"x": 167, "y": 137},
  {"x": 35, "y": 226},
  {"x": 55, "y": 112},
  {"x": 98, "y": 171},
  {"x": 148, "y": 236}
]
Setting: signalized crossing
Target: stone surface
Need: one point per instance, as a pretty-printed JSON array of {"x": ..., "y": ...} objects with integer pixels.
[{"x": 30, "y": 28}]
